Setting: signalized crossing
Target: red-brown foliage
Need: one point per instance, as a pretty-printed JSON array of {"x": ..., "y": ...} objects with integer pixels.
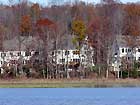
[{"x": 46, "y": 23}]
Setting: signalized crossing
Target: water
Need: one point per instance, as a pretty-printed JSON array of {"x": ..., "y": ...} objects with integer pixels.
[{"x": 70, "y": 96}]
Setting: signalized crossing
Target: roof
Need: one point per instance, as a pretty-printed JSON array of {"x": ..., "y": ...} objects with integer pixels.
[
  {"x": 125, "y": 40},
  {"x": 66, "y": 42},
  {"x": 21, "y": 43}
]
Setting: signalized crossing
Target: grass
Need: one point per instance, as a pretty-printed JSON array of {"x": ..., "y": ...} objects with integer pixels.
[{"x": 68, "y": 83}]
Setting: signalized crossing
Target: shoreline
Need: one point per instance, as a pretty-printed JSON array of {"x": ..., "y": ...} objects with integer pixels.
[{"x": 69, "y": 83}]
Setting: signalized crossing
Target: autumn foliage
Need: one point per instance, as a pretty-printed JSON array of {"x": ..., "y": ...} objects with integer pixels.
[
  {"x": 35, "y": 11},
  {"x": 57, "y": 26},
  {"x": 44, "y": 22},
  {"x": 25, "y": 25},
  {"x": 79, "y": 29},
  {"x": 132, "y": 19}
]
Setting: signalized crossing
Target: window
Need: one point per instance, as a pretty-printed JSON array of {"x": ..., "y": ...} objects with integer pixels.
[
  {"x": 116, "y": 54},
  {"x": 58, "y": 52},
  {"x": 129, "y": 50},
  {"x": 26, "y": 61},
  {"x": 76, "y": 52},
  {"x": 19, "y": 53},
  {"x": 13, "y": 61},
  {"x": 85, "y": 52},
  {"x": 76, "y": 60},
  {"x": 53, "y": 53},
  {"x": 11, "y": 53},
  {"x": 122, "y": 50},
  {"x": 128, "y": 58},
  {"x": 36, "y": 53},
  {"x": 62, "y": 60},
  {"x": 139, "y": 58},
  {"x": 3, "y": 54},
  {"x": 30, "y": 54},
  {"x": 67, "y": 52},
  {"x": 138, "y": 50},
  {"x": 83, "y": 60},
  {"x": 27, "y": 53},
  {"x": 36, "y": 60},
  {"x": 83, "y": 56},
  {"x": 126, "y": 50}
]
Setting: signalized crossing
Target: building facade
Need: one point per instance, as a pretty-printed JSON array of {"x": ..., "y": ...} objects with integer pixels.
[
  {"x": 124, "y": 52},
  {"x": 71, "y": 55}
]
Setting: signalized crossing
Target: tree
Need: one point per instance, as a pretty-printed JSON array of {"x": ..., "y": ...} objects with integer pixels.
[
  {"x": 2, "y": 32},
  {"x": 132, "y": 16},
  {"x": 79, "y": 31},
  {"x": 35, "y": 12},
  {"x": 102, "y": 30},
  {"x": 131, "y": 30},
  {"x": 25, "y": 25},
  {"x": 46, "y": 29}
]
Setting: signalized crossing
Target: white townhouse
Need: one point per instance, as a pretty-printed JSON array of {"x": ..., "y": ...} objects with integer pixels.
[
  {"x": 67, "y": 56},
  {"x": 14, "y": 57},
  {"x": 71, "y": 55},
  {"x": 122, "y": 50},
  {"x": 18, "y": 49}
]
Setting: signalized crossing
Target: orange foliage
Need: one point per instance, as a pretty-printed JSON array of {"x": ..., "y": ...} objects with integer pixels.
[
  {"x": 134, "y": 30},
  {"x": 132, "y": 19},
  {"x": 45, "y": 23},
  {"x": 94, "y": 25},
  {"x": 25, "y": 25},
  {"x": 132, "y": 9}
]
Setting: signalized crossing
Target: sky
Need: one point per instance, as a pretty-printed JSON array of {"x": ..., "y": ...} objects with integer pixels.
[{"x": 45, "y": 2}]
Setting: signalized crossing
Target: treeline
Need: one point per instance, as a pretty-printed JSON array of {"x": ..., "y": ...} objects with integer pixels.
[{"x": 53, "y": 25}]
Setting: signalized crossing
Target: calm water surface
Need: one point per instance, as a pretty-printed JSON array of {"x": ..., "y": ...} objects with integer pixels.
[{"x": 70, "y": 96}]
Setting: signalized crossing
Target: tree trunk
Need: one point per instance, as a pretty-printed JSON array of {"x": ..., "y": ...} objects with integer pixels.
[
  {"x": 118, "y": 75},
  {"x": 107, "y": 73}
]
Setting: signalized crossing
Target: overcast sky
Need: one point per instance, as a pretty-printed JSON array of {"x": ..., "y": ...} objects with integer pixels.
[{"x": 46, "y": 1}]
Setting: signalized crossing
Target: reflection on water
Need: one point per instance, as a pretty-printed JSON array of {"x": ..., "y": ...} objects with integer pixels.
[{"x": 70, "y": 96}]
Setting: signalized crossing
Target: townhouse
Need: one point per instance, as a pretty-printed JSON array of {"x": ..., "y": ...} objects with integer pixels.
[{"x": 124, "y": 50}]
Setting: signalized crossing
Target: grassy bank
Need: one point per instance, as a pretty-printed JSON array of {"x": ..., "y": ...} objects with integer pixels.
[{"x": 44, "y": 83}]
